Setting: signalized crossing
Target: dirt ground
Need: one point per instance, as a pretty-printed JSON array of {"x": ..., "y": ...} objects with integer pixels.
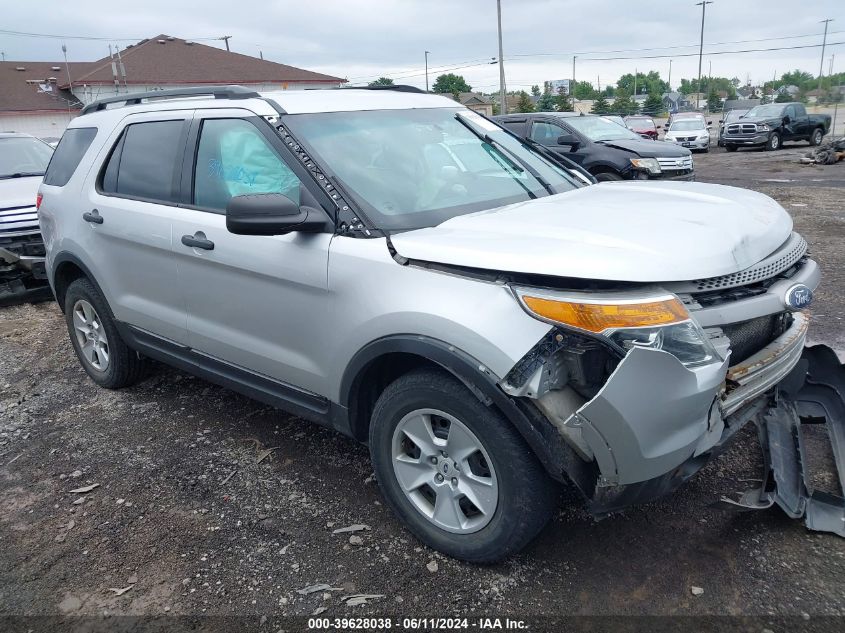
[{"x": 187, "y": 519}]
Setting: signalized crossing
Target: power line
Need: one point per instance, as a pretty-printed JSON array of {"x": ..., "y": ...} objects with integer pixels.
[
  {"x": 739, "y": 52},
  {"x": 92, "y": 37}
]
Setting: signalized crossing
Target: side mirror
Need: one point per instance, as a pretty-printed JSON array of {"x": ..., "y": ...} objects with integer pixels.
[
  {"x": 568, "y": 139},
  {"x": 270, "y": 214},
  {"x": 721, "y": 120},
  {"x": 786, "y": 120},
  {"x": 710, "y": 123}
]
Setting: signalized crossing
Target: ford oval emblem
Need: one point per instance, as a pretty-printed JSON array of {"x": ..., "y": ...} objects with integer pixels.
[{"x": 798, "y": 297}]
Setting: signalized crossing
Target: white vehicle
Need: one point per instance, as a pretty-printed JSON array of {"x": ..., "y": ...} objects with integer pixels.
[
  {"x": 693, "y": 133},
  {"x": 397, "y": 267}
]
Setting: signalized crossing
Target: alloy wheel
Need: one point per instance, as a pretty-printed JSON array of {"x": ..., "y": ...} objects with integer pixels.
[
  {"x": 444, "y": 471},
  {"x": 90, "y": 335}
]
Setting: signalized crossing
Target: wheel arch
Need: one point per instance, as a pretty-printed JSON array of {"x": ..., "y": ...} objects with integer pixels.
[
  {"x": 382, "y": 361},
  {"x": 67, "y": 268}
]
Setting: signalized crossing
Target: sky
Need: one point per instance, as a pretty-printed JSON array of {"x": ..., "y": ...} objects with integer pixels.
[{"x": 364, "y": 39}]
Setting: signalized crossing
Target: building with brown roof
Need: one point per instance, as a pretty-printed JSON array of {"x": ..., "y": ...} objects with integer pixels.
[{"x": 41, "y": 97}]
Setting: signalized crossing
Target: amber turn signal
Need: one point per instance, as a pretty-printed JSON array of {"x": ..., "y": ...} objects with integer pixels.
[{"x": 598, "y": 317}]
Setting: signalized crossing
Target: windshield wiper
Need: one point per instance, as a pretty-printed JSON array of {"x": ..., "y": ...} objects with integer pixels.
[{"x": 21, "y": 174}]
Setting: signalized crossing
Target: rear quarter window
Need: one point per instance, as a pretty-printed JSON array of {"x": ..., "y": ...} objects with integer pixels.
[{"x": 75, "y": 142}]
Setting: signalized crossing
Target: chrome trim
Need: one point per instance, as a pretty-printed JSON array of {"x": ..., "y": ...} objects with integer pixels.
[{"x": 767, "y": 367}]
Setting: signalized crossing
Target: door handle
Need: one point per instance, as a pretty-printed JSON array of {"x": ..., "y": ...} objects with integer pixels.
[
  {"x": 93, "y": 217},
  {"x": 198, "y": 240}
]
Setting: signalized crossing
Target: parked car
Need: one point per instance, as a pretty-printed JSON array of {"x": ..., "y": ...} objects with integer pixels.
[
  {"x": 397, "y": 267},
  {"x": 693, "y": 133},
  {"x": 23, "y": 159},
  {"x": 772, "y": 124},
  {"x": 607, "y": 150},
  {"x": 642, "y": 125},
  {"x": 679, "y": 116},
  {"x": 731, "y": 116}
]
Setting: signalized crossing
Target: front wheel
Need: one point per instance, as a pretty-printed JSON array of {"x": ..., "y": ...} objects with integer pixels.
[
  {"x": 455, "y": 471},
  {"x": 773, "y": 143},
  {"x": 816, "y": 137},
  {"x": 730, "y": 148}
]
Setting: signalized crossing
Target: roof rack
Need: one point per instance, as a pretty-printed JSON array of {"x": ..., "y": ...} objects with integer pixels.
[
  {"x": 218, "y": 92},
  {"x": 397, "y": 88}
]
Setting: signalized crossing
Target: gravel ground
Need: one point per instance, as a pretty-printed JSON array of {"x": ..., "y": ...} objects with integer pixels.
[{"x": 187, "y": 518}]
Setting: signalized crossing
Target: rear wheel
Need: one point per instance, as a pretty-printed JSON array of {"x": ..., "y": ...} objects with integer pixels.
[
  {"x": 773, "y": 143},
  {"x": 455, "y": 470},
  {"x": 95, "y": 339},
  {"x": 816, "y": 137}
]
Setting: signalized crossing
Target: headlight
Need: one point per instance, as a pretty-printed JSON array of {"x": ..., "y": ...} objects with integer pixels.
[
  {"x": 628, "y": 320},
  {"x": 763, "y": 127},
  {"x": 646, "y": 164}
]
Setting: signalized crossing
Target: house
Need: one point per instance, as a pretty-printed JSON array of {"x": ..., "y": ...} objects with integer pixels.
[
  {"x": 675, "y": 101},
  {"x": 40, "y": 98},
  {"x": 749, "y": 92},
  {"x": 477, "y": 102}
]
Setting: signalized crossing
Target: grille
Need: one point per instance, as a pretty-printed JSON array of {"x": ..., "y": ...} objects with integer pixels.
[
  {"x": 685, "y": 162},
  {"x": 749, "y": 337},
  {"x": 786, "y": 256},
  {"x": 18, "y": 221},
  {"x": 742, "y": 128}
]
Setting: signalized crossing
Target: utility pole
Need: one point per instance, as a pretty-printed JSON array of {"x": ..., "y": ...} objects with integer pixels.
[
  {"x": 572, "y": 90},
  {"x": 67, "y": 68},
  {"x": 502, "y": 94},
  {"x": 226, "y": 39},
  {"x": 636, "y": 72},
  {"x": 670, "y": 76},
  {"x": 703, "y": 4},
  {"x": 427, "y": 53},
  {"x": 824, "y": 43}
]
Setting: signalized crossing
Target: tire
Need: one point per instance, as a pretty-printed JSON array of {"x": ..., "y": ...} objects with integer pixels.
[
  {"x": 608, "y": 176},
  {"x": 520, "y": 497},
  {"x": 773, "y": 144},
  {"x": 730, "y": 148},
  {"x": 816, "y": 137},
  {"x": 91, "y": 326}
]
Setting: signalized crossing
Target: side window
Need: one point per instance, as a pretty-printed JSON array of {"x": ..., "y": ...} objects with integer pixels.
[
  {"x": 233, "y": 159},
  {"x": 546, "y": 133},
  {"x": 145, "y": 162},
  {"x": 799, "y": 110},
  {"x": 75, "y": 142}
]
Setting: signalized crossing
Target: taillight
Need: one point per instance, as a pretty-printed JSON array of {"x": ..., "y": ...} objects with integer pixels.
[{"x": 38, "y": 199}]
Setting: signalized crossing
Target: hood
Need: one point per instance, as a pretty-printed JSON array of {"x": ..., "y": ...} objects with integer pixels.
[
  {"x": 640, "y": 231},
  {"x": 757, "y": 119},
  {"x": 19, "y": 192},
  {"x": 686, "y": 133},
  {"x": 647, "y": 149}
]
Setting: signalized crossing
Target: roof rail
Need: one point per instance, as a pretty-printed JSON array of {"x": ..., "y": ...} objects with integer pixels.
[
  {"x": 397, "y": 88},
  {"x": 218, "y": 92}
]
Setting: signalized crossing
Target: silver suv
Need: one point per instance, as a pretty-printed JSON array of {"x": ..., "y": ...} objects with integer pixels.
[{"x": 397, "y": 267}]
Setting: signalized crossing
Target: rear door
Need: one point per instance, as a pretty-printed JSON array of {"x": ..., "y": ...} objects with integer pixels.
[
  {"x": 125, "y": 227},
  {"x": 251, "y": 300}
]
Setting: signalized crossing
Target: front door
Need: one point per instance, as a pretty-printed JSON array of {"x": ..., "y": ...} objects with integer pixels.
[
  {"x": 547, "y": 133},
  {"x": 251, "y": 300}
]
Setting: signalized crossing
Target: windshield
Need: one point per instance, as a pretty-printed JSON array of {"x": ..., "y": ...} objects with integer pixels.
[
  {"x": 23, "y": 156},
  {"x": 772, "y": 109},
  {"x": 640, "y": 124},
  {"x": 597, "y": 128},
  {"x": 687, "y": 125},
  {"x": 410, "y": 169},
  {"x": 734, "y": 115}
]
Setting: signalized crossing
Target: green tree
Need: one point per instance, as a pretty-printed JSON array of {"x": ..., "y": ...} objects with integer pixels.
[
  {"x": 524, "y": 103},
  {"x": 535, "y": 90},
  {"x": 647, "y": 83},
  {"x": 584, "y": 90},
  {"x": 623, "y": 104},
  {"x": 562, "y": 101},
  {"x": 382, "y": 81},
  {"x": 601, "y": 105},
  {"x": 451, "y": 84},
  {"x": 653, "y": 104},
  {"x": 546, "y": 103},
  {"x": 783, "y": 97},
  {"x": 714, "y": 102}
]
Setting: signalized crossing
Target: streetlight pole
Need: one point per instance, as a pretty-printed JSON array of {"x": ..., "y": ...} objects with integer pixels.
[
  {"x": 670, "y": 76},
  {"x": 824, "y": 42},
  {"x": 426, "y": 70},
  {"x": 502, "y": 94},
  {"x": 703, "y": 4},
  {"x": 574, "y": 57}
]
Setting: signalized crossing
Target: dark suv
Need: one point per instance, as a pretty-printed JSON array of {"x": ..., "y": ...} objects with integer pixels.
[{"x": 607, "y": 150}]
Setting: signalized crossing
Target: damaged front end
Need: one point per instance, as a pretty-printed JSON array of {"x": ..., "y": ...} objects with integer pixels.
[{"x": 642, "y": 420}]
